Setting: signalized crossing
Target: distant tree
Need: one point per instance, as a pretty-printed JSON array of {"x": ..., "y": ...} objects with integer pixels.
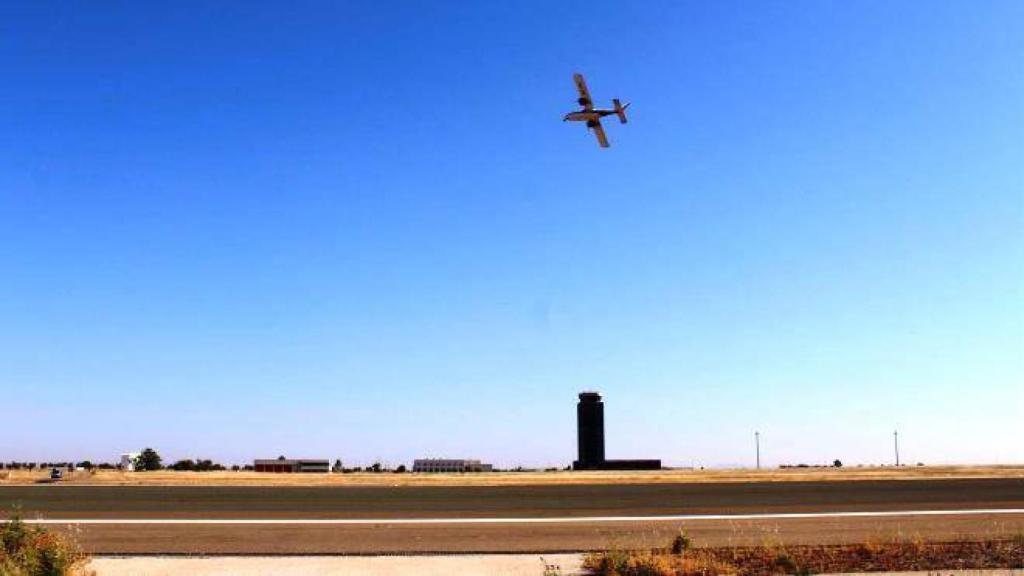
[
  {"x": 208, "y": 466},
  {"x": 837, "y": 463},
  {"x": 148, "y": 460},
  {"x": 376, "y": 467},
  {"x": 183, "y": 465},
  {"x": 337, "y": 465},
  {"x": 281, "y": 458},
  {"x": 248, "y": 468},
  {"x": 84, "y": 464},
  {"x": 235, "y": 468},
  {"x": 401, "y": 469}
]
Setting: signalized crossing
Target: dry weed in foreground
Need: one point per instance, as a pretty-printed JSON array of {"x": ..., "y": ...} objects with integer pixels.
[
  {"x": 681, "y": 559},
  {"x": 36, "y": 551},
  {"x": 656, "y": 563}
]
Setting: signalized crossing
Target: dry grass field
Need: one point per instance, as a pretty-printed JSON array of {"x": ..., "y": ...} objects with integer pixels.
[
  {"x": 171, "y": 478},
  {"x": 899, "y": 555}
]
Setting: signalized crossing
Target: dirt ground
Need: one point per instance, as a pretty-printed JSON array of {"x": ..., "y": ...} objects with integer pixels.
[
  {"x": 501, "y": 565},
  {"x": 470, "y": 565},
  {"x": 519, "y": 538},
  {"x": 171, "y": 478}
]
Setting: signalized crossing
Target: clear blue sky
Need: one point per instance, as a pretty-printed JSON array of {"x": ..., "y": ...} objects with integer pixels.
[{"x": 362, "y": 231}]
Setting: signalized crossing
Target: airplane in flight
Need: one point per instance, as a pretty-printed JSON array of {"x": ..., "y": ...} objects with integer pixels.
[{"x": 592, "y": 116}]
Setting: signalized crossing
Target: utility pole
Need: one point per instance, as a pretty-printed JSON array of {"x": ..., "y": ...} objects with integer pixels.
[
  {"x": 757, "y": 447},
  {"x": 896, "y": 445}
]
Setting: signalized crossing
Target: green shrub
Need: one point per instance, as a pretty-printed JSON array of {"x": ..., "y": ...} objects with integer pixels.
[{"x": 36, "y": 551}]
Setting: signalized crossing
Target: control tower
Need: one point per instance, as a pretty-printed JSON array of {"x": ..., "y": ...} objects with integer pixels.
[
  {"x": 590, "y": 439},
  {"x": 589, "y": 431}
]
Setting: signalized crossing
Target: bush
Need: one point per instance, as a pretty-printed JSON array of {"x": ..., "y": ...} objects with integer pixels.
[
  {"x": 788, "y": 565},
  {"x": 681, "y": 543},
  {"x": 36, "y": 551}
]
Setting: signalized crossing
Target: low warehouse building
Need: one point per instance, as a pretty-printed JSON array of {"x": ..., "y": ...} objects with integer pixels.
[
  {"x": 284, "y": 465},
  {"x": 445, "y": 465}
]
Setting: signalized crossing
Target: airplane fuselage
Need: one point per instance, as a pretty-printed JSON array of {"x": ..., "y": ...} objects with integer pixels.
[{"x": 585, "y": 115}]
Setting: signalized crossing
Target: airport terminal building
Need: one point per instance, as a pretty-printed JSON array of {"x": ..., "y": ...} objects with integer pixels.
[{"x": 446, "y": 465}]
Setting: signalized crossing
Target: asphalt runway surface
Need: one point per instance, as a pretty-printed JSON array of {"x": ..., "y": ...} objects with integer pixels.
[{"x": 515, "y": 518}]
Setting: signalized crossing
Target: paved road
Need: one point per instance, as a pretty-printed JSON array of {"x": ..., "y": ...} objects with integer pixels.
[{"x": 575, "y": 501}]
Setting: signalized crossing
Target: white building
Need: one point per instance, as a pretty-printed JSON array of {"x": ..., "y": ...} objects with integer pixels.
[
  {"x": 446, "y": 465},
  {"x": 128, "y": 461}
]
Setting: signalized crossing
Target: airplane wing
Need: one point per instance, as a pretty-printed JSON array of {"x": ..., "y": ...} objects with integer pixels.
[
  {"x": 599, "y": 132},
  {"x": 581, "y": 87}
]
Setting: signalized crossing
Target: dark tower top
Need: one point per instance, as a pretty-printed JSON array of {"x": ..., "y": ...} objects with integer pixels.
[{"x": 590, "y": 430}]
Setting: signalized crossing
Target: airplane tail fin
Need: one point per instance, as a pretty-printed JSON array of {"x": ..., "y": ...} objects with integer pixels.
[{"x": 620, "y": 109}]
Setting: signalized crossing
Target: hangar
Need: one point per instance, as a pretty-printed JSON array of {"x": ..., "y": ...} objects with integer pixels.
[{"x": 284, "y": 465}]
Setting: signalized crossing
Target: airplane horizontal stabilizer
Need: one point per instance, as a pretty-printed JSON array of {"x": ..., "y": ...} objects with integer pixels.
[{"x": 620, "y": 110}]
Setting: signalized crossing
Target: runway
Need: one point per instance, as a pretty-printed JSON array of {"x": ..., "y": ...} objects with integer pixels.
[
  {"x": 325, "y": 520},
  {"x": 545, "y": 520}
]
